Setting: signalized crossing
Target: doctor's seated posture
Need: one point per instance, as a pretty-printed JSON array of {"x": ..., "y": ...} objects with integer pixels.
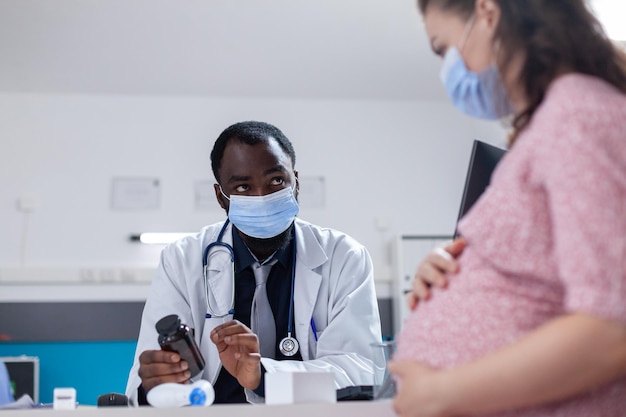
[{"x": 322, "y": 313}]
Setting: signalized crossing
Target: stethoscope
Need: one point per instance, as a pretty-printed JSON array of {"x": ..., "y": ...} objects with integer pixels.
[{"x": 288, "y": 346}]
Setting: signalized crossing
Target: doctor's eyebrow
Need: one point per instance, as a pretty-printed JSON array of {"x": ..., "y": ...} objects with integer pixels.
[
  {"x": 239, "y": 178},
  {"x": 277, "y": 168}
]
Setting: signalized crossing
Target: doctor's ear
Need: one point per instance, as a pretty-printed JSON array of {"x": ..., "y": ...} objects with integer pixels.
[{"x": 219, "y": 197}]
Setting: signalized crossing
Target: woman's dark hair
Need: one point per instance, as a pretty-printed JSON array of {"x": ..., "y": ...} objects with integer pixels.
[
  {"x": 556, "y": 36},
  {"x": 250, "y": 133}
]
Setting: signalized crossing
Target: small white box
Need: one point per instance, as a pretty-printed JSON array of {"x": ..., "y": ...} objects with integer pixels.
[
  {"x": 300, "y": 387},
  {"x": 64, "y": 399}
]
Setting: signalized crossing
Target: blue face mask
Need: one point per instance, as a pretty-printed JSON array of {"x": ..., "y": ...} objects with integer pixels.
[
  {"x": 480, "y": 94},
  {"x": 263, "y": 216}
]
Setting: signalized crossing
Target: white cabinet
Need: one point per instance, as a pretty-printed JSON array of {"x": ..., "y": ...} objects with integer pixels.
[{"x": 408, "y": 252}]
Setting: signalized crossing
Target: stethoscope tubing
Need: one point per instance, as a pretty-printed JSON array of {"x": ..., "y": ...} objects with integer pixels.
[{"x": 205, "y": 265}]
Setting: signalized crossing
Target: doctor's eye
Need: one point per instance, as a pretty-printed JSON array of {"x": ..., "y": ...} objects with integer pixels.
[
  {"x": 241, "y": 188},
  {"x": 278, "y": 181}
]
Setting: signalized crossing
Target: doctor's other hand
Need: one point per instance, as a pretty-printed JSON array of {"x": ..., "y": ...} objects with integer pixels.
[
  {"x": 432, "y": 271},
  {"x": 158, "y": 366},
  {"x": 239, "y": 352},
  {"x": 420, "y": 390}
]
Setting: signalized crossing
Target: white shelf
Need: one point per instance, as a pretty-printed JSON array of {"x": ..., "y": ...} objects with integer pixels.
[{"x": 75, "y": 275}]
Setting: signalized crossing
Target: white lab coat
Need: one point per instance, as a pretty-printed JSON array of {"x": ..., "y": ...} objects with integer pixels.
[{"x": 334, "y": 284}]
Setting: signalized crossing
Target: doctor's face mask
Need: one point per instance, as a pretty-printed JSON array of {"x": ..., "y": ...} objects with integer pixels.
[{"x": 264, "y": 216}]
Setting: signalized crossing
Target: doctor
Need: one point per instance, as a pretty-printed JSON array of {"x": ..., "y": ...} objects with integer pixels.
[{"x": 323, "y": 311}]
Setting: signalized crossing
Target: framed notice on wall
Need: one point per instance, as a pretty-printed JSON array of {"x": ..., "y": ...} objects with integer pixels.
[
  {"x": 312, "y": 192},
  {"x": 135, "y": 193},
  {"x": 204, "y": 195}
]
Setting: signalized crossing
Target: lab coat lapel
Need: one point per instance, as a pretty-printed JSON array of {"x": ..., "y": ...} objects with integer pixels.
[
  {"x": 310, "y": 255},
  {"x": 220, "y": 277}
]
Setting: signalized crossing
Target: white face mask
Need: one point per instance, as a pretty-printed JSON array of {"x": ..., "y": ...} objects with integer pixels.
[
  {"x": 481, "y": 94},
  {"x": 263, "y": 216}
]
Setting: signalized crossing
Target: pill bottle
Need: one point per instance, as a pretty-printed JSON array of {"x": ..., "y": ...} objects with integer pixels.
[{"x": 175, "y": 336}]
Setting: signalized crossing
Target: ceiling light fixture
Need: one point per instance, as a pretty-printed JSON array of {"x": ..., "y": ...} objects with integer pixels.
[{"x": 158, "y": 238}]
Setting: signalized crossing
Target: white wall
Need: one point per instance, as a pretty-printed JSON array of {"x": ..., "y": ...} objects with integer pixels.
[{"x": 400, "y": 165}]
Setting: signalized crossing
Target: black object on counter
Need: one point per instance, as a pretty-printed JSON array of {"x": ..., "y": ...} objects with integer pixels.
[{"x": 175, "y": 336}]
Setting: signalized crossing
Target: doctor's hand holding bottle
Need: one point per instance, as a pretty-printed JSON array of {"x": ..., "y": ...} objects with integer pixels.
[
  {"x": 158, "y": 367},
  {"x": 239, "y": 353}
]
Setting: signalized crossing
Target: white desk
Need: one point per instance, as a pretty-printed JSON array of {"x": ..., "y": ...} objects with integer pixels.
[{"x": 341, "y": 409}]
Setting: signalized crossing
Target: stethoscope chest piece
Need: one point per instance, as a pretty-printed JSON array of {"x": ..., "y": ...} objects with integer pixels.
[{"x": 289, "y": 346}]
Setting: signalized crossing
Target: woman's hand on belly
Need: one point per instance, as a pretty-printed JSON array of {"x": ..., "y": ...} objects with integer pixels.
[
  {"x": 432, "y": 271},
  {"x": 420, "y": 390}
]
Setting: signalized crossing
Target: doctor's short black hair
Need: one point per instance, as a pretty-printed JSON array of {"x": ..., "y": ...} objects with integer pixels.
[{"x": 250, "y": 133}]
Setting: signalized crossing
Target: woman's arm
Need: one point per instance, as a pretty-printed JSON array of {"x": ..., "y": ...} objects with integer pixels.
[{"x": 565, "y": 357}]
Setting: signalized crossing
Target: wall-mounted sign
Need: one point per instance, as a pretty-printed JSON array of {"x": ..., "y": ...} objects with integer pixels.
[{"x": 135, "y": 193}]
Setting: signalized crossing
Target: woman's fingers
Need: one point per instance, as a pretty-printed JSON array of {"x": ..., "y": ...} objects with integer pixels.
[{"x": 433, "y": 270}]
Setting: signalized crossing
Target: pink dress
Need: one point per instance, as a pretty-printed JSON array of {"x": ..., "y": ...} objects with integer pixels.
[{"x": 547, "y": 237}]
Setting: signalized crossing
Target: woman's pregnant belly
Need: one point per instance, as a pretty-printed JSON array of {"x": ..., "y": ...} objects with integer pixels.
[{"x": 481, "y": 310}]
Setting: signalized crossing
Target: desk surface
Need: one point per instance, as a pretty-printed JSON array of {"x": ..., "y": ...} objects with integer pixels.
[{"x": 341, "y": 409}]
